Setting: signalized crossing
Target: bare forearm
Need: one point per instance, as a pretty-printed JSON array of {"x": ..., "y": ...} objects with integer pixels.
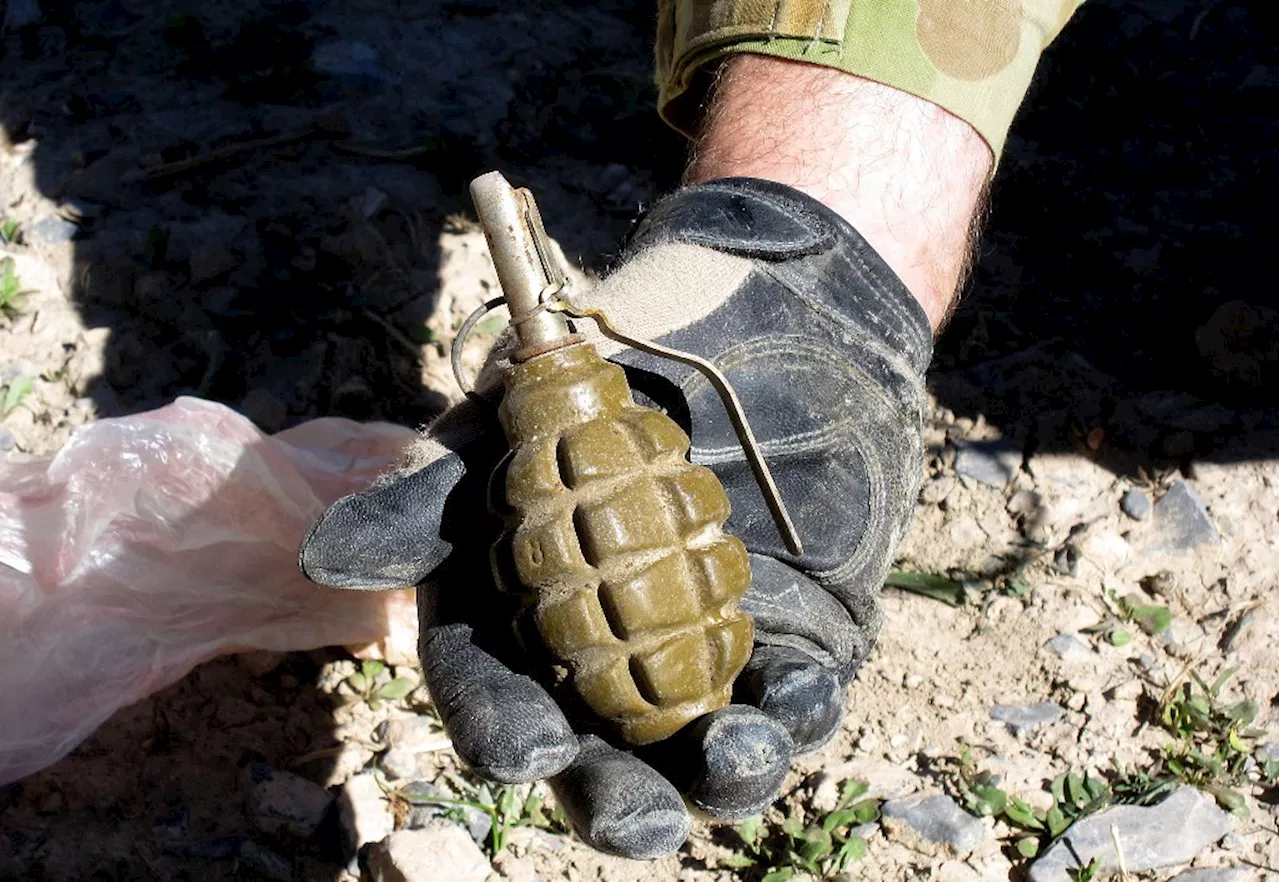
[{"x": 909, "y": 176}]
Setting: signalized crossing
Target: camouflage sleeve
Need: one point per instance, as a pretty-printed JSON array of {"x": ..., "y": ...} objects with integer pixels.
[{"x": 974, "y": 58}]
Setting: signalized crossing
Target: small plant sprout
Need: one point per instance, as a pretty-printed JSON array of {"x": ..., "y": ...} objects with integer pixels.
[
  {"x": 14, "y": 392},
  {"x": 507, "y": 805},
  {"x": 364, "y": 683},
  {"x": 1132, "y": 609},
  {"x": 1214, "y": 743},
  {"x": 10, "y": 229},
  {"x": 13, "y": 297},
  {"x": 821, "y": 845},
  {"x": 1033, "y": 830}
]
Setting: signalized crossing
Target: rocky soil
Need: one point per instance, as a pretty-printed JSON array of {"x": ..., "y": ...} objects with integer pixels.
[{"x": 264, "y": 204}]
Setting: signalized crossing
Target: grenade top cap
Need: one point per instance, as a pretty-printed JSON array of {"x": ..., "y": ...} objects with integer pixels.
[{"x": 523, "y": 259}]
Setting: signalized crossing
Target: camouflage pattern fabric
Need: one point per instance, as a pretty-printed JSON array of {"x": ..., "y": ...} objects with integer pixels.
[{"x": 973, "y": 57}]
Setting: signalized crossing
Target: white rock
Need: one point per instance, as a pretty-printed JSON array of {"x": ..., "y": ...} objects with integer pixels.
[
  {"x": 363, "y": 811},
  {"x": 1168, "y": 833},
  {"x": 516, "y": 869},
  {"x": 282, "y": 803},
  {"x": 439, "y": 852},
  {"x": 884, "y": 781},
  {"x": 398, "y": 763}
]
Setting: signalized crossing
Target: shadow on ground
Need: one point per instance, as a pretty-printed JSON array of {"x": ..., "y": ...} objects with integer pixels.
[{"x": 254, "y": 191}]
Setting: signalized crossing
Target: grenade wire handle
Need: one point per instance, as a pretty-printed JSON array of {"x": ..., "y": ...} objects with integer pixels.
[{"x": 732, "y": 406}]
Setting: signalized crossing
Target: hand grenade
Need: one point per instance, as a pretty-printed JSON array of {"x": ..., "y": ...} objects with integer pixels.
[{"x": 613, "y": 537}]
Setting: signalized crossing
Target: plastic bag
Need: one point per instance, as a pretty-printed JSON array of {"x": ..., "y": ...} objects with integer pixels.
[{"x": 152, "y": 543}]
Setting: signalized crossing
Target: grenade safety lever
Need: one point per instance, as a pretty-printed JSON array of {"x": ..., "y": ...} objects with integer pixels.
[{"x": 613, "y": 538}]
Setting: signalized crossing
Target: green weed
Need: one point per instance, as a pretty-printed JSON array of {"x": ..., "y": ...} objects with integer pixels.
[
  {"x": 364, "y": 683},
  {"x": 10, "y": 229},
  {"x": 1132, "y": 609},
  {"x": 820, "y": 844},
  {"x": 958, "y": 587},
  {"x": 507, "y": 805},
  {"x": 1214, "y": 742},
  {"x": 1074, "y": 797},
  {"x": 945, "y": 589},
  {"x": 14, "y": 392},
  {"x": 1087, "y": 873},
  {"x": 13, "y": 297}
]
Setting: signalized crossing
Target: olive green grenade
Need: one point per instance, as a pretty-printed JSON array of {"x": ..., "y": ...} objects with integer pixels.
[{"x": 615, "y": 538}]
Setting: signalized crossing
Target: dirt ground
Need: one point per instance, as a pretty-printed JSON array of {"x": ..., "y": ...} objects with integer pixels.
[{"x": 1120, "y": 332}]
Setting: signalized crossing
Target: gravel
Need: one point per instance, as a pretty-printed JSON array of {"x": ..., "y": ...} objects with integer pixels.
[{"x": 1022, "y": 719}]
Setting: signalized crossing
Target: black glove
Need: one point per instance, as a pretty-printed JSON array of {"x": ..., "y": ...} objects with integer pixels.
[{"x": 827, "y": 351}]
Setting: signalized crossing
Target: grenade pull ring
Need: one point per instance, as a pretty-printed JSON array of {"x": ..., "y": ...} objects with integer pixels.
[{"x": 534, "y": 287}]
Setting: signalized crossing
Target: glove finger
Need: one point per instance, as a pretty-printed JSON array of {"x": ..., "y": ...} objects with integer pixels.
[
  {"x": 798, "y": 692},
  {"x": 387, "y": 536},
  {"x": 807, "y": 647},
  {"x": 790, "y": 609},
  {"x": 502, "y": 724},
  {"x": 619, "y": 804},
  {"x": 728, "y": 763}
]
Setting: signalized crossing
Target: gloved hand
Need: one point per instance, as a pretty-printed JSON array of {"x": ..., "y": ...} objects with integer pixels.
[{"x": 827, "y": 350}]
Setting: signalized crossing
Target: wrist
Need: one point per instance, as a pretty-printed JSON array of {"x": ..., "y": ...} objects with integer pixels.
[{"x": 906, "y": 174}]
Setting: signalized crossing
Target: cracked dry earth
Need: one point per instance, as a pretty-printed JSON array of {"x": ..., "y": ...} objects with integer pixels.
[{"x": 1116, "y": 339}]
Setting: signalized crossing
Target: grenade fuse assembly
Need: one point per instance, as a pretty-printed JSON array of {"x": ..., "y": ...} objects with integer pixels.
[{"x": 613, "y": 535}]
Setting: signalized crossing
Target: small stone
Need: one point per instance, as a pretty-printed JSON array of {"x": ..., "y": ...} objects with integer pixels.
[
  {"x": 363, "y": 811},
  {"x": 439, "y": 852},
  {"x": 993, "y": 463},
  {"x": 399, "y": 763},
  {"x": 865, "y": 831},
  {"x": 937, "y": 490},
  {"x": 282, "y": 803},
  {"x": 414, "y": 734},
  {"x": 372, "y": 202},
  {"x": 1184, "y": 638},
  {"x": 7, "y": 441},
  {"x": 1210, "y": 874},
  {"x": 1022, "y": 719},
  {"x": 50, "y": 231},
  {"x": 265, "y": 862},
  {"x": 478, "y": 822},
  {"x": 1066, "y": 560},
  {"x": 1181, "y": 520},
  {"x": 1135, "y": 504},
  {"x": 264, "y": 409},
  {"x": 1238, "y": 626},
  {"x": 911, "y": 681},
  {"x": 1023, "y": 502},
  {"x": 933, "y": 821},
  {"x": 1171, "y": 832},
  {"x": 1069, "y": 646},
  {"x": 516, "y": 869}
]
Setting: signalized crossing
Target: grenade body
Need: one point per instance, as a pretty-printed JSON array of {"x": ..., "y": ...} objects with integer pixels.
[{"x": 616, "y": 541}]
